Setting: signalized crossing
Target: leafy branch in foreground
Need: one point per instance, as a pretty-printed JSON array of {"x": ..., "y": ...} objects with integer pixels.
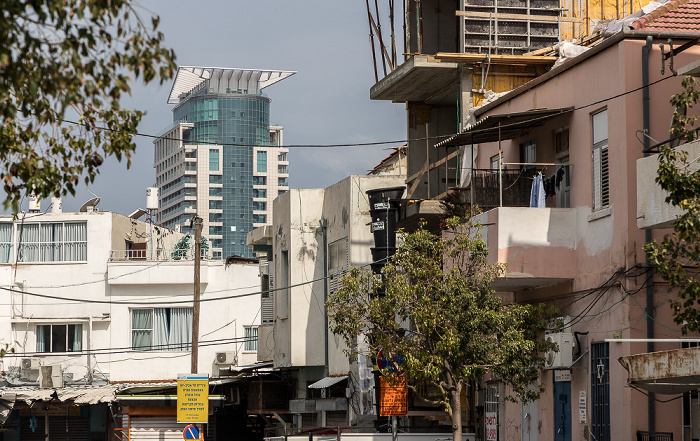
[
  {"x": 70, "y": 60},
  {"x": 677, "y": 256}
]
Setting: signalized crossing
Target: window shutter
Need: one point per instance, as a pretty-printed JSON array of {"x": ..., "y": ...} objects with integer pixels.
[
  {"x": 604, "y": 177},
  {"x": 597, "y": 201}
]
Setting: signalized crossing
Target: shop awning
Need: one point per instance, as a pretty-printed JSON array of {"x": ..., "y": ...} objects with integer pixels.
[
  {"x": 77, "y": 395},
  {"x": 505, "y": 126},
  {"x": 327, "y": 382},
  {"x": 664, "y": 372},
  {"x": 251, "y": 367}
]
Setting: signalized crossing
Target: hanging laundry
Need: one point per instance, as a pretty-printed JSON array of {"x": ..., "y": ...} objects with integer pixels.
[
  {"x": 537, "y": 195},
  {"x": 560, "y": 175}
]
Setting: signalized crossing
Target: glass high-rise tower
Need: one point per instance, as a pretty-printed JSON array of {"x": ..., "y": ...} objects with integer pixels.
[{"x": 221, "y": 159}]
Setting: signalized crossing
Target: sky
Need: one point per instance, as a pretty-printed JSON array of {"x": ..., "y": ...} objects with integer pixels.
[{"x": 326, "y": 102}]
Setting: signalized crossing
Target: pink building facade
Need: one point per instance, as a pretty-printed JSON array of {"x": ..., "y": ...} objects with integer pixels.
[{"x": 582, "y": 126}]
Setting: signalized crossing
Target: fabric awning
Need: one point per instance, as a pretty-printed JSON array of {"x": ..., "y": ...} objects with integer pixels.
[
  {"x": 664, "y": 372},
  {"x": 327, "y": 382},
  {"x": 505, "y": 126}
]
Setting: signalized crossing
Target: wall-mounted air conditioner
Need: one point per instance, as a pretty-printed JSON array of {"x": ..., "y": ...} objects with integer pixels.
[
  {"x": 30, "y": 363},
  {"x": 50, "y": 376},
  {"x": 562, "y": 358},
  {"x": 226, "y": 358}
]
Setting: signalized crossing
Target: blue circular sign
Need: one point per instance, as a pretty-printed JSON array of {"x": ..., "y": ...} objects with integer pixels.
[{"x": 190, "y": 432}]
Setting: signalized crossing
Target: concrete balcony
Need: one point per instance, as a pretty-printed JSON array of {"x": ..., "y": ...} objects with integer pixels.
[
  {"x": 652, "y": 209},
  {"x": 422, "y": 78},
  {"x": 538, "y": 245}
]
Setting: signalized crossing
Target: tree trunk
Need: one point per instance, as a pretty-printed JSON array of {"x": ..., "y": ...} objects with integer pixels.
[{"x": 456, "y": 403}]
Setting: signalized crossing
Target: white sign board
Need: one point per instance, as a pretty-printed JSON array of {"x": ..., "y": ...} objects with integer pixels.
[
  {"x": 491, "y": 426},
  {"x": 582, "y": 406},
  {"x": 562, "y": 375}
]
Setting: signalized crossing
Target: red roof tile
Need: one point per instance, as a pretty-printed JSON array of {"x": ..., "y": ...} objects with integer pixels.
[{"x": 674, "y": 16}]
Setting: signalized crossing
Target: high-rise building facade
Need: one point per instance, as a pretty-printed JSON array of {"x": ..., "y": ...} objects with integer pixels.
[{"x": 221, "y": 159}]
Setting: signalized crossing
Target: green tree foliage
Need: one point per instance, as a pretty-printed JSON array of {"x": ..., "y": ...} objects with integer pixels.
[
  {"x": 64, "y": 66},
  {"x": 441, "y": 318},
  {"x": 677, "y": 257}
]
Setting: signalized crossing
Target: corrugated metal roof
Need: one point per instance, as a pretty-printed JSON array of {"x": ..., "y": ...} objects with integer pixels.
[
  {"x": 327, "y": 382},
  {"x": 77, "y": 394},
  {"x": 502, "y": 126}
]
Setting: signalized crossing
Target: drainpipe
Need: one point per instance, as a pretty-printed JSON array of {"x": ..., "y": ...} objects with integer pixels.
[
  {"x": 324, "y": 229},
  {"x": 651, "y": 412}
]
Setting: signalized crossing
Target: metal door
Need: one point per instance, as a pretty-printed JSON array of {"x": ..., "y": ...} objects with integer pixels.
[
  {"x": 600, "y": 391},
  {"x": 562, "y": 410}
]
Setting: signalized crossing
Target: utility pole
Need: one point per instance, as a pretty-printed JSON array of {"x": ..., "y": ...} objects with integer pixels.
[{"x": 195, "y": 307}]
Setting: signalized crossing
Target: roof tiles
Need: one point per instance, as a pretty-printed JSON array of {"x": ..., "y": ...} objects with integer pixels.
[{"x": 674, "y": 16}]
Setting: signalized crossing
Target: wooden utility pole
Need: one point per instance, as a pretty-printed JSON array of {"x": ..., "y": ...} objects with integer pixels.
[{"x": 195, "y": 307}]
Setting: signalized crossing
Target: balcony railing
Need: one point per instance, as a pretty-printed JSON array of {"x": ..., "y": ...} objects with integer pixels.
[
  {"x": 487, "y": 189},
  {"x": 158, "y": 255}
]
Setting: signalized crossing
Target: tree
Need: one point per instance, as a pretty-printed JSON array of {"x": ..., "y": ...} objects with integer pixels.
[
  {"x": 677, "y": 257},
  {"x": 440, "y": 317},
  {"x": 64, "y": 66}
]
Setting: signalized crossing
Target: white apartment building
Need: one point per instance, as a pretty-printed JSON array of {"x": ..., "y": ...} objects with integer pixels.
[{"x": 96, "y": 302}]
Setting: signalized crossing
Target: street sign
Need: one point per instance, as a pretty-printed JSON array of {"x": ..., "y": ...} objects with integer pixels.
[
  {"x": 192, "y": 398},
  {"x": 393, "y": 394},
  {"x": 190, "y": 432}
]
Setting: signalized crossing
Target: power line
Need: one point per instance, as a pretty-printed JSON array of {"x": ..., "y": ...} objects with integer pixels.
[{"x": 398, "y": 141}]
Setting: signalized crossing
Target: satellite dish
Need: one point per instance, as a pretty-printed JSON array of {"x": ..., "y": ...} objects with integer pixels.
[
  {"x": 138, "y": 213},
  {"x": 90, "y": 206}
]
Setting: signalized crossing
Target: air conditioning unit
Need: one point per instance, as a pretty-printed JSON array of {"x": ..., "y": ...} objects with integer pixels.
[
  {"x": 226, "y": 358},
  {"x": 563, "y": 357},
  {"x": 50, "y": 377},
  {"x": 30, "y": 363},
  {"x": 560, "y": 324}
]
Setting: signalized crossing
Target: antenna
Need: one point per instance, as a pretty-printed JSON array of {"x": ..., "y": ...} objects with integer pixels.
[{"x": 91, "y": 205}]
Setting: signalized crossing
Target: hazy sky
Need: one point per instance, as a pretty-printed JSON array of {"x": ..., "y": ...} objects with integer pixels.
[{"x": 325, "y": 102}]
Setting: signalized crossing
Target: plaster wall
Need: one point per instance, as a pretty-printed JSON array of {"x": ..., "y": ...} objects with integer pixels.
[
  {"x": 103, "y": 304},
  {"x": 604, "y": 240}
]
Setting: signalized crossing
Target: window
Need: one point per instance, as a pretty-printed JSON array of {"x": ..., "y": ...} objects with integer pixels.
[
  {"x": 281, "y": 192},
  {"x": 259, "y": 218},
  {"x": 601, "y": 183},
  {"x": 216, "y": 230},
  {"x": 213, "y": 160},
  {"x": 282, "y": 182},
  {"x": 282, "y": 169},
  {"x": 251, "y": 338},
  {"x": 337, "y": 255},
  {"x": 216, "y": 205},
  {"x": 216, "y": 179},
  {"x": 161, "y": 329},
  {"x": 528, "y": 154},
  {"x": 52, "y": 242},
  {"x": 59, "y": 338},
  {"x": 5, "y": 241},
  {"x": 215, "y": 217},
  {"x": 262, "y": 161},
  {"x": 494, "y": 162},
  {"x": 561, "y": 141},
  {"x": 282, "y": 157},
  {"x": 259, "y": 180},
  {"x": 216, "y": 191},
  {"x": 259, "y": 205},
  {"x": 259, "y": 193}
]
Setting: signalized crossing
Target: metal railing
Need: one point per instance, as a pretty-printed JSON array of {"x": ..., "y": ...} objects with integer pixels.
[
  {"x": 654, "y": 436},
  {"x": 156, "y": 254}
]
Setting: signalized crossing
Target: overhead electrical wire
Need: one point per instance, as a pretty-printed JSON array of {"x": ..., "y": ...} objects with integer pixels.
[
  {"x": 401, "y": 141},
  {"x": 130, "y": 349}
]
